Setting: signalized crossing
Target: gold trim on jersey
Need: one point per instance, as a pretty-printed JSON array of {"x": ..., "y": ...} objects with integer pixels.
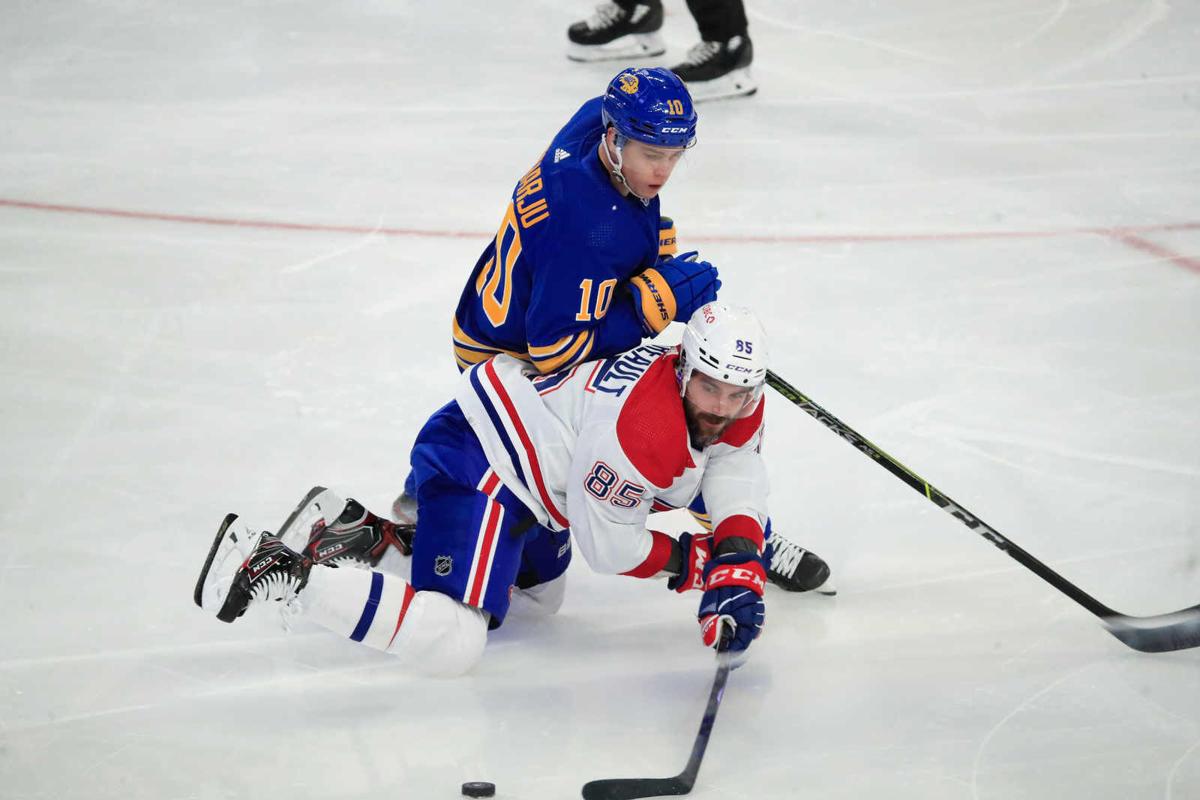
[
  {"x": 552, "y": 349},
  {"x": 554, "y": 357},
  {"x": 468, "y": 351}
]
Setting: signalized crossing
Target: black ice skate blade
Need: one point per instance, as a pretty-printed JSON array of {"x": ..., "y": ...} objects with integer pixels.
[{"x": 212, "y": 553}]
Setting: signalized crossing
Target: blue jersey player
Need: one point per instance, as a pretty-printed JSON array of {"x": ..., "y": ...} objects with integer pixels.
[
  {"x": 578, "y": 269},
  {"x": 584, "y": 266}
]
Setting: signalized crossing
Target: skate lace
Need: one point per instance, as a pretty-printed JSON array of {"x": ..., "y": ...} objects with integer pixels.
[
  {"x": 701, "y": 52},
  {"x": 786, "y": 557},
  {"x": 607, "y": 15}
]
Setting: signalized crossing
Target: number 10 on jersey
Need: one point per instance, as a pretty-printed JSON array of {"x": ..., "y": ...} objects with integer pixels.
[{"x": 603, "y": 299}]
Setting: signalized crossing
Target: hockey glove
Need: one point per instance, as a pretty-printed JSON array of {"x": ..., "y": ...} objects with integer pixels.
[
  {"x": 667, "y": 248},
  {"x": 733, "y": 589},
  {"x": 673, "y": 290},
  {"x": 695, "y": 550}
]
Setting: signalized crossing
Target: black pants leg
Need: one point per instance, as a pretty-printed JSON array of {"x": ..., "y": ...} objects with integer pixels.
[
  {"x": 719, "y": 20},
  {"x": 629, "y": 4}
]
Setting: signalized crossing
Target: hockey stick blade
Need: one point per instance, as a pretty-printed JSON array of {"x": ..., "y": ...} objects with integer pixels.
[
  {"x": 630, "y": 788},
  {"x": 1178, "y": 630},
  {"x": 1158, "y": 634}
]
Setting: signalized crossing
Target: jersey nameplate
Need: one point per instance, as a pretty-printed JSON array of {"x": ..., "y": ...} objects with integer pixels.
[{"x": 618, "y": 374}]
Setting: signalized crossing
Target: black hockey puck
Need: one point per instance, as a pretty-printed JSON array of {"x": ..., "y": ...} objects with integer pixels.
[{"x": 478, "y": 789}]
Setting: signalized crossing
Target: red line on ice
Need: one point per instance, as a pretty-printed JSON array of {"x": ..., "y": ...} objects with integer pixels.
[
  {"x": 1131, "y": 236},
  {"x": 1156, "y": 249}
]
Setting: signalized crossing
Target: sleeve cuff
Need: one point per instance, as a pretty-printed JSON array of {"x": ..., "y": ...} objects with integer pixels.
[{"x": 656, "y": 560}]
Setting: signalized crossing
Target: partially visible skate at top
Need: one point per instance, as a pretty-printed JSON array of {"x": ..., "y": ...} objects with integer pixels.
[
  {"x": 245, "y": 568},
  {"x": 795, "y": 569},
  {"x": 614, "y": 33},
  {"x": 328, "y": 528},
  {"x": 718, "y": 70}
]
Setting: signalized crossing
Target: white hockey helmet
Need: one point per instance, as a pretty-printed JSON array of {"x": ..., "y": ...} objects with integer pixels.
[{"x": 726, "y": 343}]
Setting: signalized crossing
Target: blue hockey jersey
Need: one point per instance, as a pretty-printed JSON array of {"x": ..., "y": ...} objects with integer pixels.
[{"x": 552, "y": 287}]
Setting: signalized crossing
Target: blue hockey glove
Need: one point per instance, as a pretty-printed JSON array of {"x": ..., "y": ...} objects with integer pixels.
[
  {"x": 733, "y": 589},
  {"x": 673, "y": 290}
]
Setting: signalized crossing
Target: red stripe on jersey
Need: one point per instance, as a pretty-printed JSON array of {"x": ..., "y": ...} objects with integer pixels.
[
  {"x": 409, "y": 594},
  {"x": 523, "y": 435},
  {"x": 479, "y": 569},
  {"x": 740, "y": 526},
  {"x": 489, "y": 483},
  {"x": 656, "y": 559}
]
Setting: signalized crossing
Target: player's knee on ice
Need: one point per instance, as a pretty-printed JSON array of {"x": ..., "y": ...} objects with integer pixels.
[{"x": 445, "y": 637}]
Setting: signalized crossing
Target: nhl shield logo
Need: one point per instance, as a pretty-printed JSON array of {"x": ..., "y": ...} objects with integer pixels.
[
  {"x": 629, "y": 83},
  {"x": 442, "y": 566}
]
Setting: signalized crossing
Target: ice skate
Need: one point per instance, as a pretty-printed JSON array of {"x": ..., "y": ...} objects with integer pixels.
[
  {"x": 614, "y": 33},
  {"x": 328, "y": 528},
  {"x": 794, "y": 569},
  {"x": 717, "y": 70},
  {"x": 245, "y": 567}
]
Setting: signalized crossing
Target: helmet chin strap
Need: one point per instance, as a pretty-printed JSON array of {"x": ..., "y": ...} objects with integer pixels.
[{"x": 616, "y": 160}]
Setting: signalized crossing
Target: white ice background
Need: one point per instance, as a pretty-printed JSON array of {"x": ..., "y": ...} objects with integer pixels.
[{"x": 231, "y": 238}]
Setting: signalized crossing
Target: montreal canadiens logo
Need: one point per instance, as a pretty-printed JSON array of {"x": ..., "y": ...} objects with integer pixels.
[{"x": 629, "y": 83}]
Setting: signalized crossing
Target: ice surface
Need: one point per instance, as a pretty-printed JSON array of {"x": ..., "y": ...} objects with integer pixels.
[{"x": 231, "y": 236}]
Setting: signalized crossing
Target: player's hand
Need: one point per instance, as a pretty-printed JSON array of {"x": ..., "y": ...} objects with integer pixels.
[
  {"x": 733, "y": 589},
  {"x": 696, "y": 550},
  {"x": 673, "y": 290}
]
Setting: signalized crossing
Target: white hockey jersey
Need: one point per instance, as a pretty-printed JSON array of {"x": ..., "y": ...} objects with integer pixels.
[{"x": 597, "y": 447}]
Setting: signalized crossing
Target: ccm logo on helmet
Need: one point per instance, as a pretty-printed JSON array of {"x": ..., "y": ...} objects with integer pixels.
[{"x": 674, "y": 130}]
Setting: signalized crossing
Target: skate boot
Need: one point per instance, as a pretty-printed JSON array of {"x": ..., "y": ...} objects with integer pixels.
[
  {"x": 715, "y": 70},
  {"x": 614, "y": 32},
  {"x": 244, "y": 568},
  {"x": 327, "y": 528},
  {"x": 794, "y": 569}
]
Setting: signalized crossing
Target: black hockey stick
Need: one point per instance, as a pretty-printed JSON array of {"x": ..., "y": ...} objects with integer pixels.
[
  {"x": 1178, "y": 630},
  {"x": 630, "y": 788}
]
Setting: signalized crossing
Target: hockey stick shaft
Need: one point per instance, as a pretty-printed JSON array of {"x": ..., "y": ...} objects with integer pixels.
[
  {"x": 1175, "y": 631},
  {"x": 631, "y": 788}
]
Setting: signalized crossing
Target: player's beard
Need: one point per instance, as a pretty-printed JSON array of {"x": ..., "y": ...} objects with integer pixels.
[{"x": 703, "y": 428}]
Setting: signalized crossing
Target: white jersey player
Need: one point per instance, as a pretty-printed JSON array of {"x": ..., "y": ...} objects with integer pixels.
[{"x": 517, "y": 466}]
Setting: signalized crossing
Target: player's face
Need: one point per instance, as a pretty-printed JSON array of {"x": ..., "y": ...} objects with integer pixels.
[
  {"x": 710, "y": 406},
  {"x": 647, "y": 168}
]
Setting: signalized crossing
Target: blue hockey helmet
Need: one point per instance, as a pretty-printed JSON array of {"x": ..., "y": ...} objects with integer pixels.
[{"x": 651, "y": 106}]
